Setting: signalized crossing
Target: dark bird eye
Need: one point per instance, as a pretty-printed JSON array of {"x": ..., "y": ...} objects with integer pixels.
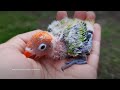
[{"x": 42, "y": 47}]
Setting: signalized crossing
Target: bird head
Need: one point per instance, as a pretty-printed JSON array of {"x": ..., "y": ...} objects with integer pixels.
[{"x": 39, "y": 45}]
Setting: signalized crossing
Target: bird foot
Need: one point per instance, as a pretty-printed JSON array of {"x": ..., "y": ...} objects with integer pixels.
[{"x": 75, "y": 61}]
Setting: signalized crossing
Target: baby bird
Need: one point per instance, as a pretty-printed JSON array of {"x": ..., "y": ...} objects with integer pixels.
[{"x": 65, "y": 39}]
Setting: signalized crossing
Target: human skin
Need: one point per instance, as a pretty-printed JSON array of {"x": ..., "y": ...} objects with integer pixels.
[{"x": 14, "y": 64}]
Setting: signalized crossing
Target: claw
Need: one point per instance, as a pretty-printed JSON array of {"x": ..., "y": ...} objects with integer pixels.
[
  {"x": 80, "y": 61},
  {"x": 67, "y": 65}
]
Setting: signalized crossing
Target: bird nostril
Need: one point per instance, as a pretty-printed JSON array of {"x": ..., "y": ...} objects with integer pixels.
[{"x": 28, "y": 49}]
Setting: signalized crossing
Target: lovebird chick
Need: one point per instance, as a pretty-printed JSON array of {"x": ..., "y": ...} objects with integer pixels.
[{"x": 66, "y": 39}]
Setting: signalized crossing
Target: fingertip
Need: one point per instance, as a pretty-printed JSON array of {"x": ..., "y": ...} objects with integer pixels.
[
  {"x": 80, "y": 15},
  {"x": 61, "y": 14},
  {"x": 91, "y": 15}
]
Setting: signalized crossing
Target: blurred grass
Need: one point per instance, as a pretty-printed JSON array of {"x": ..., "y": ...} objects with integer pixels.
[
  {"x": 110, "y": 50},
  {"x": 17, "y": 22}
]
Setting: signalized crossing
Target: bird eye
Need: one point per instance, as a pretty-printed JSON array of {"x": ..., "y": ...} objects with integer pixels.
[{"x": 42, "y": 47}]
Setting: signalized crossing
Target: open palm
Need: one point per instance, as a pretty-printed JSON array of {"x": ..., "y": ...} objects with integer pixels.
[{"x": 21, "y": 67}]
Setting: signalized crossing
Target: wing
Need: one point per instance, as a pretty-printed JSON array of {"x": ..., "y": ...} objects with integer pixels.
[
  {"x": 76, "y": 38},
  {"x": 87, "y": 45}
]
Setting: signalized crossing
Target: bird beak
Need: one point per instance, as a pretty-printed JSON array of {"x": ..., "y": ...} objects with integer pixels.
[{"x": 27, "y": 54}]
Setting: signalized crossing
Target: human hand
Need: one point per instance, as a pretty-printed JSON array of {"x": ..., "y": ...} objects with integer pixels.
[{"x": 15, "y": 65}]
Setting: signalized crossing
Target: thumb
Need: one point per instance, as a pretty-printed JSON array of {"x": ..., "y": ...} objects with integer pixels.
[{"x": 19, "y": 42}]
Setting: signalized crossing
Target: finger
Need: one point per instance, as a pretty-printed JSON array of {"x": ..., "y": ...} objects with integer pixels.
[
  {"x": 93, "y": 59},
  {"x": 97, "y": 33},
  {"x": 91, "y": 16},
  {"x": 19, "y": 41},
  {"x": 80, "y": 15},
  {"x": 27, "y": 36},
  {"x": 61, "y": 14}
]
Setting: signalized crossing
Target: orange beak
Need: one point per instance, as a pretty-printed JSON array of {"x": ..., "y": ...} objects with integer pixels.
[{"x": 27, "y": 54}]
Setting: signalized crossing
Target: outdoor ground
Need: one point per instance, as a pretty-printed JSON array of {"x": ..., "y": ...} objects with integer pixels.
[{"x": 13, "y": 23}]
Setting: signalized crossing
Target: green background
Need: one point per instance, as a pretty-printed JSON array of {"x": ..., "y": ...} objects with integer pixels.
[{"x": 17, "y": 22}]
